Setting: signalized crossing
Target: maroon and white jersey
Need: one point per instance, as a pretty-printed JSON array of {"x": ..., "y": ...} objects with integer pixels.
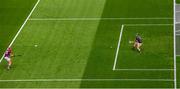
[{"x": 8, "y": 52}]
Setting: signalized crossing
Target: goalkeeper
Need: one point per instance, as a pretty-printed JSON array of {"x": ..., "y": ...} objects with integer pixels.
[{"x": 138, "y": 43}]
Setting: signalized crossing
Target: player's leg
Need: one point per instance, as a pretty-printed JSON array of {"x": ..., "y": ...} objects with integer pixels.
[
  {"x": 138, "y": 47},
  {"x": 135, "y": 45},
  {"x": 9, "y": 62}
]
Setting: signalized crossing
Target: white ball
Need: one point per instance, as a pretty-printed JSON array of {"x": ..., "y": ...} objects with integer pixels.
[
  {"x": 35, "y": 45},
  {"x": 130, "y": 42}
]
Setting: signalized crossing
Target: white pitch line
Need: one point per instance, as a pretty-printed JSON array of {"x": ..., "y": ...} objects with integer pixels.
[
  {"x": 75, "y": 80},
  {"x": 148, "y": 24},
  {"x": 66, "y": 19},
  {"x": 21, "y": 27},
  {"x": 118, "y": 46},
  {"x": 144, "y": 69}
]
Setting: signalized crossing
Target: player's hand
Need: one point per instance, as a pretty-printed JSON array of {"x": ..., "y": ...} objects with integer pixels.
[{"x": 12, "y": 55}]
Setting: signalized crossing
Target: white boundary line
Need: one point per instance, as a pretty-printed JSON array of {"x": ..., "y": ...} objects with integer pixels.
[
  {"x": 21, "y": 27},
  {"x": 175, "y": 77},
  {"x": 66, "y": 19},
  {"x": 148, "y": 24},
  {"x": 89, "y": 80},
  {"x": 144, "y": 69},
  {"x": 118, "y": 46}
]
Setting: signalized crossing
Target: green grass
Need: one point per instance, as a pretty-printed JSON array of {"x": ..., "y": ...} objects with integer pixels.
[
  {"x": 13, "y": 14},
  {"x": 177, "y": 1},
  {"x": 151, "y": 57},
  {"x": 81, "y": 49}
]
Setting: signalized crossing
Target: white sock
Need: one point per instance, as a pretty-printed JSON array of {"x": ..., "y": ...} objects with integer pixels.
[{"x": 139, "y": 49}]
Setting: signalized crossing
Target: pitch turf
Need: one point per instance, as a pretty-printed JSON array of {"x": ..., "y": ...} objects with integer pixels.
[
  {"x": 178, "y": 1},
  {"x": 13, "y": 14},
  {"x": 75, "y": 49}
]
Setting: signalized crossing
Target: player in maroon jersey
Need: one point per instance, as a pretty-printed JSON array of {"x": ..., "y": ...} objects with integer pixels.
[{"x": 7, "y": 56}]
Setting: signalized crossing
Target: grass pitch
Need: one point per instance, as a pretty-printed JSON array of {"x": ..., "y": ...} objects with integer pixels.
[
  {"x": 177, "y": 1},
  {"x": 73, "y": 44}
]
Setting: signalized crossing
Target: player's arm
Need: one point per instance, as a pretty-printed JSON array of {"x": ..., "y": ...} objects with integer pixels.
[{"x": 12, "y": 54}]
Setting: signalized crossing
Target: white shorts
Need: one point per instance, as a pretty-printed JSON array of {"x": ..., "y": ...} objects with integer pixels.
[{"x": 7, "y": 58}]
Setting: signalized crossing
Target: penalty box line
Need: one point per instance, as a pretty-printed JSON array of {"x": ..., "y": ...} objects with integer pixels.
[
  {"x": 144, "y": 69},
  {"x": 119, "y": 44}
]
